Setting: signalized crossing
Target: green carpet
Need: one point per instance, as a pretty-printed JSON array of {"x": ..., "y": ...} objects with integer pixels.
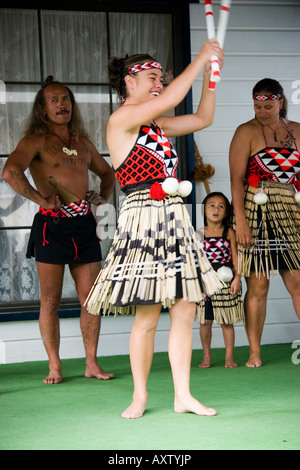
[{"x": 258, "y": 409}]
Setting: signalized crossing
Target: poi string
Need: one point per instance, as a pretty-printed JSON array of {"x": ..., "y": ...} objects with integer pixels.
[{"x": 222, "y": 25}]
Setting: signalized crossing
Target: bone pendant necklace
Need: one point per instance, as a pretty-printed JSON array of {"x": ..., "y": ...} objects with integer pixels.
[{"x": 66, "y": 148}]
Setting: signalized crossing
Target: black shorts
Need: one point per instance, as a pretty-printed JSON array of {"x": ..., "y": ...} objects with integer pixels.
[{"x": 67, "y": 240}]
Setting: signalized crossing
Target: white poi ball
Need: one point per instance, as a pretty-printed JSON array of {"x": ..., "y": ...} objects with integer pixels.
[
  {"x": 170, "y": 186},
  {"x": 225, "y": 273},
  {"x": 297, "y": 197},
  {"x": 260, "y": 198},
  {"x": 185, "y": 188}
]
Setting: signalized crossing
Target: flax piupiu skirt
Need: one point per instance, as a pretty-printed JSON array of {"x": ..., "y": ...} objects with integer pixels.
[
  {"x": 275, "y": 228},
  {"x": 155, "y": 258}
]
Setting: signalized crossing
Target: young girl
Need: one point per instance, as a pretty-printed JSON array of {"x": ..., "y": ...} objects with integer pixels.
[
  {"x": 225, "y": 307},
  {"x": 156, "y": 258}
]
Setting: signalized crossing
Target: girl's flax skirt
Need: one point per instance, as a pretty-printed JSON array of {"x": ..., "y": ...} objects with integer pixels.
[
  {"x": 275, "y": 230},
  {"x": 222, "y": 307},
  {"x": 155, "y": 258}
]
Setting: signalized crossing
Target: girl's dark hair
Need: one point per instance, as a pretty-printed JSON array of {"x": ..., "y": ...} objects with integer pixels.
[
  {"x": 272, "y": 86},
  {"x": 37, "y": 122},
  {"x": 228, "y": 207},
  {"x": 118, "y": 69}
]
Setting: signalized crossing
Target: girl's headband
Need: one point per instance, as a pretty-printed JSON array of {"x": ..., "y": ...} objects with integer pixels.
[{"x": 145, "y": 66}]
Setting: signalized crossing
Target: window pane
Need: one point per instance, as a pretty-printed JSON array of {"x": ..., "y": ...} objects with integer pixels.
[
  {"x": 18, "y": 276},
  {"x": 15, "y": 211},
  {"x": 149, "y": 33},
  {"x": 75, "y": 46},
  {"x": 19, "y": 45},
  {"x": 13, "y": 114},
  {"x": 94, "y": 105}
]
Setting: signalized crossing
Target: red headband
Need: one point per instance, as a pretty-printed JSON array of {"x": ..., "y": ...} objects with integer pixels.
[
  {"x": 266, "y": 97},
  {"x": 145, "y": 66}
]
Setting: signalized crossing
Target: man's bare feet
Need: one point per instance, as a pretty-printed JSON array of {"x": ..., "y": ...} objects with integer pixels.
[
  {"x": 97, "y": 372},
  {"x": 191, "y": 405},
  {"x": 55, "y": 376}
]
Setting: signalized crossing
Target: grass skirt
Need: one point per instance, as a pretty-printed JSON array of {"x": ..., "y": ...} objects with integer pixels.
[
  {"x": 275, "y": 228},
  {"x": 227, "y": 308},
  {"x": 156, "y": 257}
]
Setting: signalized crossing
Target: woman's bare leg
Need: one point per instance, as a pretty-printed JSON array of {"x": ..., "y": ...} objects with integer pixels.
[
  {"x": 255, "y": 313},
  {"x": 141, "y": 355},
  {"x": 180, "y": 353}
]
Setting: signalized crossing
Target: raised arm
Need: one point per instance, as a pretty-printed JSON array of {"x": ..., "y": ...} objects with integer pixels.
[{"x": 131, "y": 117}]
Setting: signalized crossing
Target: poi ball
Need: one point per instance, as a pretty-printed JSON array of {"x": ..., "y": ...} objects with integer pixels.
[
  {"x": 260, "y": 198},
  {"x": 297, "y": 197},
  {"x": 185, "y": 188},
  {"x": 225, "y": 273},
  {"x": 170, "y": 186}
]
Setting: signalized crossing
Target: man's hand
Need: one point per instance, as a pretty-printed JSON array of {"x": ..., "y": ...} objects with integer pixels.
[{"x": 95, "y": 198}]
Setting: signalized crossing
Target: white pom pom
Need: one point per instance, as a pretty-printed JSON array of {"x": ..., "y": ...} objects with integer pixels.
[
  {"x": 297, "y": 197},
  {"x": 185, "y": 188},
  {"x": 225, "y": 273},
  {"x": 170, "y": 186},
  {"x": 260, "y": 198}
]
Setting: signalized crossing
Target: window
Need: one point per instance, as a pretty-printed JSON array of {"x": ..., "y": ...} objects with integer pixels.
[{"x": 74, "y": 47}]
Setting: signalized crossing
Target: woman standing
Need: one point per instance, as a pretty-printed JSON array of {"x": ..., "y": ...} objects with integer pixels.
[
  {"x": 155, "y": 258},
  {"x": 264, "y": 167}
]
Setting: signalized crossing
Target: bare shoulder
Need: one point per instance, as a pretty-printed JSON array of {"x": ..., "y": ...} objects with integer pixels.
[
  {"x": 32, "y": 142},
  {"x": 293, "y": 126},
  {"x": 247, "y": 128}
]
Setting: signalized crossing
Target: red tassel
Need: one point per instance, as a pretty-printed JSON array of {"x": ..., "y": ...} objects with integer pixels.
[
  {"x": 156, "y": 192},
  {"x": 253, "y": 180}
]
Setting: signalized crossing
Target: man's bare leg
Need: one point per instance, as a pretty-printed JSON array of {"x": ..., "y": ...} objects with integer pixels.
[
  {"x": 84, "y": 276},
  {"x": 51, "y": 279}
]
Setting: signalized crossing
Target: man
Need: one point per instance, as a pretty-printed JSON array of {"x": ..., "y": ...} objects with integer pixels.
[{"x": 56, "y": 145}]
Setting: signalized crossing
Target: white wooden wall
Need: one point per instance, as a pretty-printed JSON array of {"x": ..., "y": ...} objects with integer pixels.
[{"x": 263, "y": 40}]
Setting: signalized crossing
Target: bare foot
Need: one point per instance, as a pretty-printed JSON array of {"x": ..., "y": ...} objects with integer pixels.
[
  {"x": 205, "y": 364},
  {"x": 97, "y": 372},
  {"x": 254, "y": 361},
  {"x": 230, "y": 364},
  {"x": 136, "y": 409},
  {"x": 55, "y": 376},
  {"x": 191, "y": 405}
]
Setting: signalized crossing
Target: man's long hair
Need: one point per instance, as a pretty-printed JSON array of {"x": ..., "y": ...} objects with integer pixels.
[{"x": 37, "y": 122}]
